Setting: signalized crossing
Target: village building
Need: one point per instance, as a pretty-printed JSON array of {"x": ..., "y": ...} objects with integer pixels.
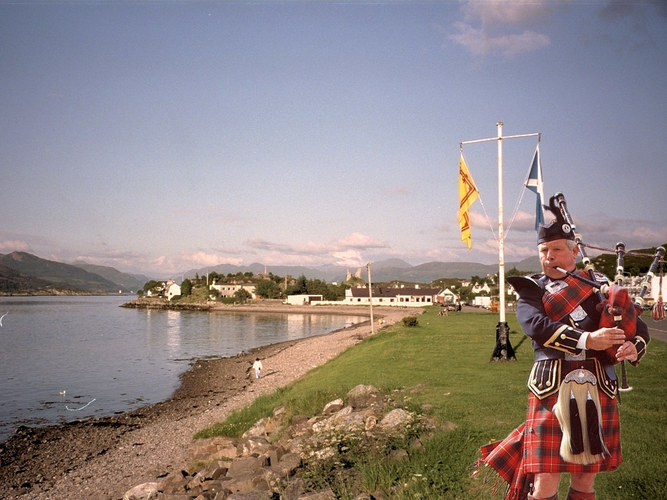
[
  {"x": 447, "y": 298},
  {"x": 403, "y": 296},
  {"x": 229, "y": 289},
  {"x": 303, "y": 299},
  {"x": 172, "y": 289},
  {"x": 484, "y": 288}
]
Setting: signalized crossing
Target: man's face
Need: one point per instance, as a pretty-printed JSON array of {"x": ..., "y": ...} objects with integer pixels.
[{"x": 554, "y": 254}]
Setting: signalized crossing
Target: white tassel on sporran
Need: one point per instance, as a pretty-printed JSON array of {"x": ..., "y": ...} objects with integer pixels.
[{"x": 580, "y": 418}]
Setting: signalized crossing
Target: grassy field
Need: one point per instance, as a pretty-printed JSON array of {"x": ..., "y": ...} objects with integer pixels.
[{"x": 443, "y": 364}]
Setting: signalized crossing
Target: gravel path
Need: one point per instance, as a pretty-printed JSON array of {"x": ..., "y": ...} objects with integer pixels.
[{"x": 103, "y": 458}]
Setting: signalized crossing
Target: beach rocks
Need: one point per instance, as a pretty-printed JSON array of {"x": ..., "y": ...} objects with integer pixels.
[
  {"x": 266, "y": 462},
  {"x": 164, "y": 304}
]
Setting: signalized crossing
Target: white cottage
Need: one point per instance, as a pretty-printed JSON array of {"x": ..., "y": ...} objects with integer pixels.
[{"x": 173, "y": 290}]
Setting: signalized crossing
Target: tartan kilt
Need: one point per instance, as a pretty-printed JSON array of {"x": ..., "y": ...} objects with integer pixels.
[
  {"x": 506, "y": 458},
  {"x": 542, "y": 437}
]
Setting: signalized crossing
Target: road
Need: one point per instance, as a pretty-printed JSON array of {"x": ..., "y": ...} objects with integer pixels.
[{"x": 657, "y": 329}]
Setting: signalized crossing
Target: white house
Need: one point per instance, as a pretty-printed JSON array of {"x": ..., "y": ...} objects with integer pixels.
[
  {"x": 173, "y": 290},
  {"x": 303, "y": 299},
  {"x": 477, "y": 288},
  {"x": 229, "y": 289},
  {"x": 447, "y": 297},
  {"x": 403, "y": 296}
]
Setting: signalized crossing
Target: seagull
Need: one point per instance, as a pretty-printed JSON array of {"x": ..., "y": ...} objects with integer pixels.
[{"x": 2, "y": 317}]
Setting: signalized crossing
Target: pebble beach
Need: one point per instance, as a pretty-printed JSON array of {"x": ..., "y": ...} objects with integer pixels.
[{"x": 103, "y": 458}]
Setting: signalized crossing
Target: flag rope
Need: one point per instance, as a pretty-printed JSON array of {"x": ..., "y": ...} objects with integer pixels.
[
  {"x": 488, "y": 219},
  {"x": 516, "y": 208}
]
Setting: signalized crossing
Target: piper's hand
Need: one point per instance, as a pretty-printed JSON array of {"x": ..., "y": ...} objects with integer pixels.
[
  {"x": 604, "y": 338},
  {"x": 627, "y": 351}
]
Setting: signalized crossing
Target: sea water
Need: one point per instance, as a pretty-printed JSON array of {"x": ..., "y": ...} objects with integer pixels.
[{"x": 68, "y": 358}]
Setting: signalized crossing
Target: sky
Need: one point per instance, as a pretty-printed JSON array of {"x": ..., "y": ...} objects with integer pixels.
[{"x": 158, "y": 137}]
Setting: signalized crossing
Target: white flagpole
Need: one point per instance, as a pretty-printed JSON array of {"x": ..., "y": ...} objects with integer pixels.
[{"x": 501, "y": 234}]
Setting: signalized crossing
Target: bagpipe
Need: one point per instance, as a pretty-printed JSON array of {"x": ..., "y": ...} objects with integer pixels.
[{"x": 617, "y": 308}]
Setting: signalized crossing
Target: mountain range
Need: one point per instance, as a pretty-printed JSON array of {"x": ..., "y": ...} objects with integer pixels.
[
  {"x": 22, "y": 272},
  {"x": 382, "y": 271}
]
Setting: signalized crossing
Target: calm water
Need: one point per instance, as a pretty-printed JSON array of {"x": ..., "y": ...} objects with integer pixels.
[{"x": 66, "y": 358}]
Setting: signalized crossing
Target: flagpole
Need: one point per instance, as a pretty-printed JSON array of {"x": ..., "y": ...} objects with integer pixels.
[
  {"x": 501, "y": 234},
  {"x": 503, "y": 350}
]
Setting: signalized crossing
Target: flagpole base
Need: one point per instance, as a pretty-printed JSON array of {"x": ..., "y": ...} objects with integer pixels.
[{"x": 503, "y": 350}]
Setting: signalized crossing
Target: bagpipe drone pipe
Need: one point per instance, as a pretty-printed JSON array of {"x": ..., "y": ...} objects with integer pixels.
[{"x": 617, "y": 308}]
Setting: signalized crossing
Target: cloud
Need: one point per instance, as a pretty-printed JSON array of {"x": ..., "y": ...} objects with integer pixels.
[
  {"x": 500, "y": 27},
  {"x": 360, "y": 241},
  {"x": 480, "y": 43},
  {"x": 9, "y": 246},
  {"x": 350, "y": 258},
  {"x": 347, "y": 250},
  {"x": 200, "y": 259},
  {"x": 269, "y": 246},
  {"x": 604, "y": 231},
  {"x": 508, "y": 12},
  {"x": 478, "y": 219}
]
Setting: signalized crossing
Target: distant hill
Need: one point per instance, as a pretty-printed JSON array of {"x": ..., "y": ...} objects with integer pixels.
[
  {"x": 124, "y": 281},
  {"x": 634, "y": 265},
  {"x": 24, "y": 272},
  {"x": 56, "y": 275},
  {"x": 382, "y": 271},
  {"x": 12, "y": 281}
]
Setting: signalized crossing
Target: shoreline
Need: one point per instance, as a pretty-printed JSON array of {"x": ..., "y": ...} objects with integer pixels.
[
  {"x": 102, "y": 458},
  {"x": 267, "y": 306}
]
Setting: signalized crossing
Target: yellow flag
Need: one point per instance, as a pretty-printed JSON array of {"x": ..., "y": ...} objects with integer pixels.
[{"x": 468, "y": 193}]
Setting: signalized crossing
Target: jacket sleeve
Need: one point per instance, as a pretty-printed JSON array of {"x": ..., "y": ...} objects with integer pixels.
[
  {"x": 534, "y": 320},
  {"x": 641, "y": 340}
]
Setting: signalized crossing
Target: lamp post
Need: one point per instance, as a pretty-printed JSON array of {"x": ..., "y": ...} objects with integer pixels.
[{"x": 370, "y": 296}]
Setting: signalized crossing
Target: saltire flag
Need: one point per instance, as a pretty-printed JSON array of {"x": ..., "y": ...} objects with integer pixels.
[
  {"x": 536, "y": 185},
  {"x": 468, "y": 193}
]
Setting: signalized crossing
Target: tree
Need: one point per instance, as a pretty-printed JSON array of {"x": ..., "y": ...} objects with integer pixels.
[
  {"x": 186, "y": 287},
  {"x": 242, "y": 295},
  {"x": 152, "y": 286},
  {"x": 267, "y": 289},
  {"x": 299, "y": 287},
  {"x": 336, "y": 292}
]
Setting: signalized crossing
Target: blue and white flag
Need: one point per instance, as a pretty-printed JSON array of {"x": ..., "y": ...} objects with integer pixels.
[{"x": 536, "y": 185}]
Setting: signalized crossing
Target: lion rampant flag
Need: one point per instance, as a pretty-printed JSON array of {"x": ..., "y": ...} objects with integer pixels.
[{"x": 468, "y": 193}]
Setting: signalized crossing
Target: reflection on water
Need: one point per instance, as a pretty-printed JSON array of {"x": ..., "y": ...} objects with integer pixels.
[
  {"x": 173, "y": 331},
  {"x": 57, "y": 354}
]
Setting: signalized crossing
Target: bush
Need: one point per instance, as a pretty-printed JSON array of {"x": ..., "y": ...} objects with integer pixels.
[{"x": 410, "y": 321}]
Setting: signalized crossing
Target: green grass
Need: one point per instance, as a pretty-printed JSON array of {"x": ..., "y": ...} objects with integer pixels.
[{"x": 444, "y": 362}]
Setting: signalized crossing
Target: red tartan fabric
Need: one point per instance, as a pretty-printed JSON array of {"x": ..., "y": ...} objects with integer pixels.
[
  {"x": 543, "y": 436},
  {"x": 619, "y": 304},
  {"x": 534, "y": 446},
  {"x": 506, "y": 457},
  {"x": 559, "y": 304}
]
